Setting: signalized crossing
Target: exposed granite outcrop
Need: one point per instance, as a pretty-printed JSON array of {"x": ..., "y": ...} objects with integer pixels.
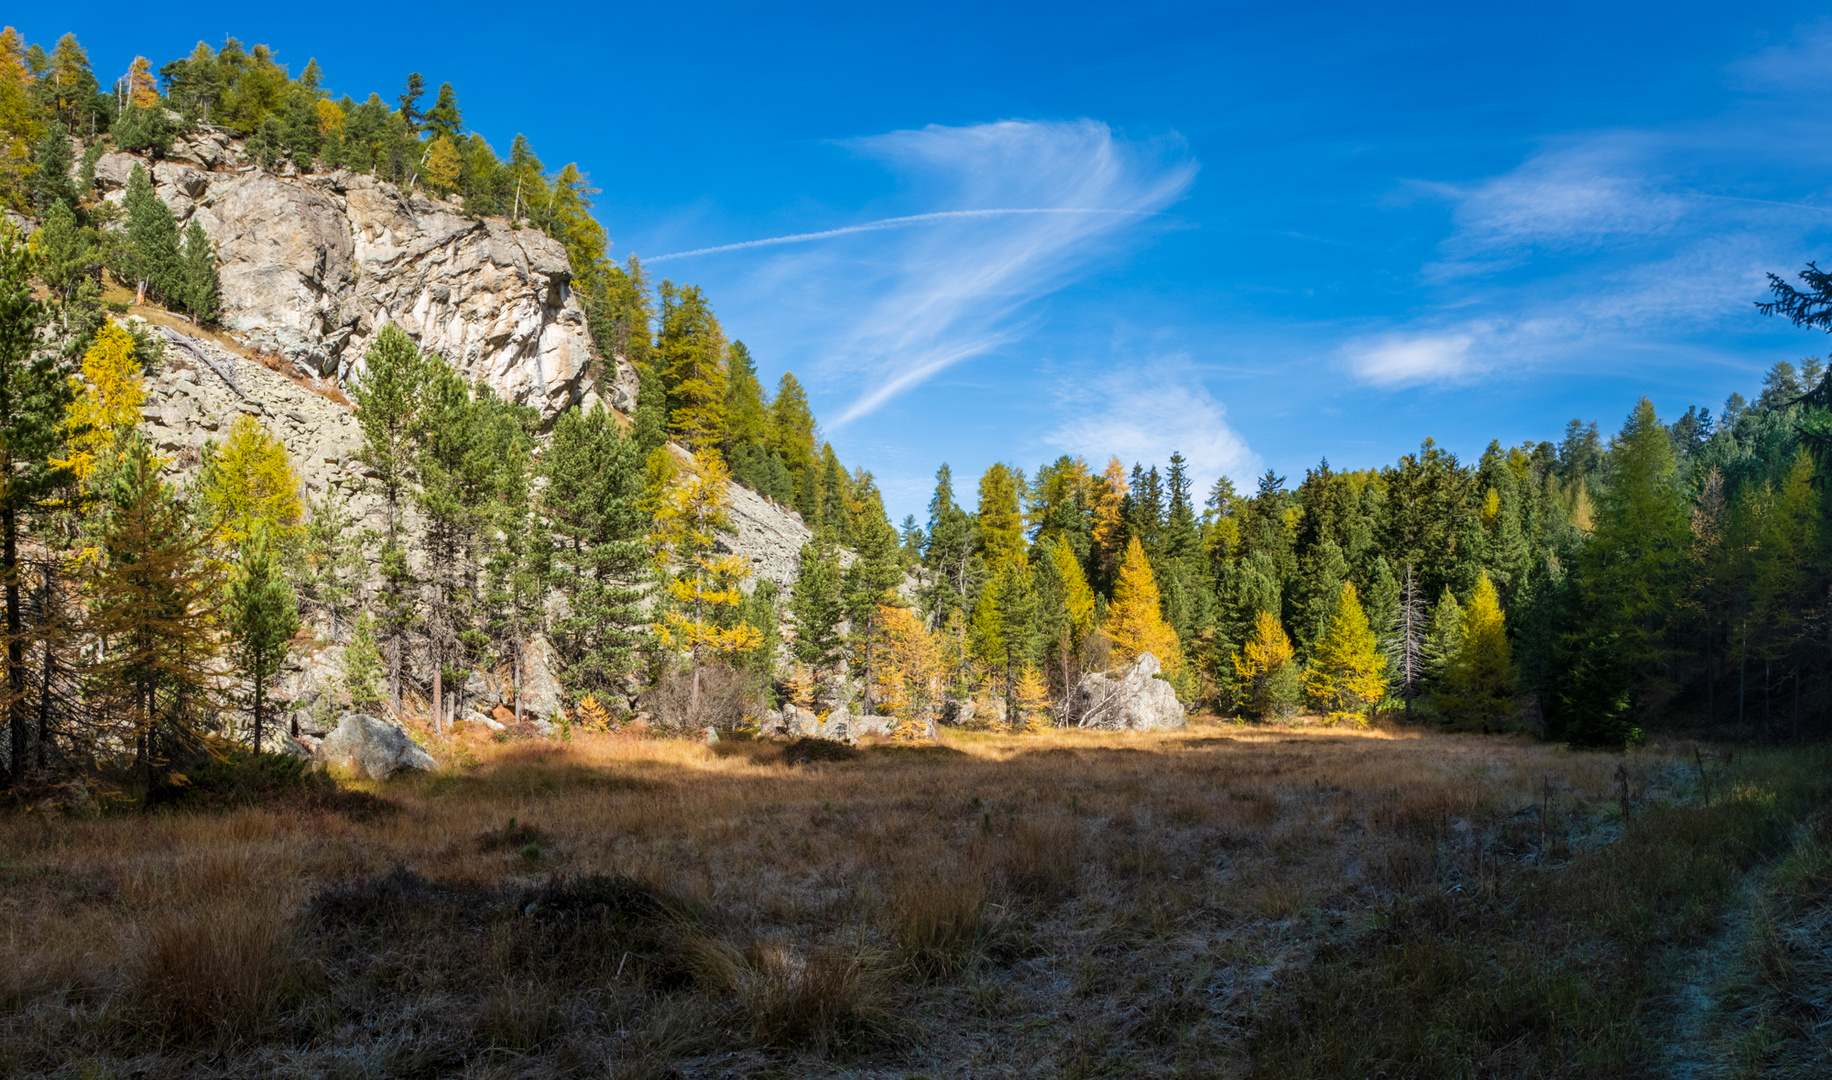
[{"x": 312, "y": 267}]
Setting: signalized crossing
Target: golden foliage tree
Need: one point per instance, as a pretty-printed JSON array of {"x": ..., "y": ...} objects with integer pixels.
[
  {"x": 1477, "y": 693},
  {"x": 1077, "y": 595},
  {"x": 1135, "y": 619},
  {"x": 1109, "y": 523},
  {"x": 1347, "y": 675},
  {"x": 140, "y": 89},
  {"x": 108, "y": 399},
  {"x": 1033, "y": 701},
  {"x": 443, "y": 164},
  {"x": 908, "y": 675},
  {"x": 248, "y": 482},
  {"x": 1266, "y": 680},
  {"x": 693, "y": 513}
]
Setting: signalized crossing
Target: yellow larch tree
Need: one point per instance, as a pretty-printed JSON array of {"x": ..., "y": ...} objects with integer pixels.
[
  {"x": 139, "y": 84},
  {"x": 1265, "y": 675},
  {"x": 443, "y": 164},
  {"x": 1033, "y": 694},
  {"x": 1135, "y": 618},
  {"x": 248, "y": 482},
  {"x": 910, "y": 668},
  {"x": 1109, "y": 525},
  {"x": 1347, "y": 676},
  {"x": 108, "y": 399},
  {"x": 1077, "y": 595},
  {"x": 1479, "y": 683},
  {"x": 694, "y": 511}
]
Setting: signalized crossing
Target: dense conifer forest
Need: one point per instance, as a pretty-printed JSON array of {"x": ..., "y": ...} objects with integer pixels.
[{"x": 1669, "y": 573}]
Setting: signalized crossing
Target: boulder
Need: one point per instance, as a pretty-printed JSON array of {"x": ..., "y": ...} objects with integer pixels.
[
  {"x": 798, "y": 722},
  {"x": 542, "y": 697},
  {"x": 1132, "y": 700},
  {"x": 482, "y": 692},
  {"x": 380, "y": 749}
]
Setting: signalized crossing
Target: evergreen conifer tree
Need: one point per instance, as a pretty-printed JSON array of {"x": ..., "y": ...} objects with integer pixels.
[
  {"x": 362, "y": 665},
  {"x": 197, "y": 274},
  {"x": 387, "y": 399},
  {"x": 594, "y": 487},
  {"x": 34, "y": 399},
  {"x": 151, "y": 250},
  {"x": 816, "y": 608},
  {"x": 263, "y": 616}
]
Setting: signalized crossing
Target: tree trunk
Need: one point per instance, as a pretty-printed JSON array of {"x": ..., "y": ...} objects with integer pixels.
[
  {"x": 438, "y": 703},
  {"x": 15, "y": 645},
  {"x": 518, "y": 682},
  {"x": 259, "y": 696}
]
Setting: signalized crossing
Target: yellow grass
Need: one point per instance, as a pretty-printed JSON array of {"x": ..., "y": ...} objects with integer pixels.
[{"x": 1017, "y": 904}]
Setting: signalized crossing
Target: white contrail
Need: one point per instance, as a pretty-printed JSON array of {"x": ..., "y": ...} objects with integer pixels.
[{"x": 891, "y": 223}]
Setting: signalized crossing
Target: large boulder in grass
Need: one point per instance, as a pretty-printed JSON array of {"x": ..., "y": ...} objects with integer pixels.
[
  {"x": 1132, "y": 700},
  {"x": 380, "y": 749}
]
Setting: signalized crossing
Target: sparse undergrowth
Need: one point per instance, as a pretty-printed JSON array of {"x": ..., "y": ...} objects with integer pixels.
[{"x": 1073, "y": 904}]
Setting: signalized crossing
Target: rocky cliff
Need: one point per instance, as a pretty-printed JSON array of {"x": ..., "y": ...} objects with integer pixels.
[{"x": 313, "y": 266}]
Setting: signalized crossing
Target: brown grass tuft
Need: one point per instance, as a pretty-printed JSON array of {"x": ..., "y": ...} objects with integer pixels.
[{"x": 210, "y": 975}]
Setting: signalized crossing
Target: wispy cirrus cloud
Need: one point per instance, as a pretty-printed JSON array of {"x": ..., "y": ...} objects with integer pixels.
[
  {"x": 1028, "y": 207},
  {"x": 1151, "y": 409},
  {"x": 1590, "y": 246}
]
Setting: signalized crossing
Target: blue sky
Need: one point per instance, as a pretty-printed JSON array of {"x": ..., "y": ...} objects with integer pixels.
[{"x": 1260, "y": 235}]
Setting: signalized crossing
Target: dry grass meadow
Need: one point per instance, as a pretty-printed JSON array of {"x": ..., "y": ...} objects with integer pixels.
[{"x": 1223, "y": 901}]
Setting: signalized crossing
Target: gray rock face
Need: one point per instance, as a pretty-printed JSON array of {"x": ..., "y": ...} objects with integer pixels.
[
  {"x": 542, "y": 697},
  {"x": 1134, "y": 700},
  {"x": 313, "y": 267},
  {"x": 378, "y": 748}
]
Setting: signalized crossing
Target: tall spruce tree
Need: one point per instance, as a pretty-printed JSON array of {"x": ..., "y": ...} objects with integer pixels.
[
  {"x": 387, "y": 397},
  {"x": 34, "y": 398}
]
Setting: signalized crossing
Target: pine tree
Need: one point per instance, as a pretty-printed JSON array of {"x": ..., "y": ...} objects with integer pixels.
[
  {"x": 197, "y": 289},
  {"x": 362, "y": 665},
  {"x": 594, "y": 480},
  {"x": 692, "y": 360},
  {"x": 817, "y": 609},
  {"x": 651, "y": 428},
  {"x": 387, "y": 398},
  {"x": 1347, "y": 676},
  {"x": 1628, "y": 582},
  {"x": 1444, "y": 639},
  {"x": 747, "y": 415},
  {"x": 34, "y": 398},
  {"x": 263, "y": 616},
  {"x": 331, "y": 565},
  {"x": 792, "y": 428},
  {"x": 444, "y": 120},
  {"x": 1478, "y": 688},
  {"x": 1135, "y": 621},
  {"x": 151, "y": 251}
]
